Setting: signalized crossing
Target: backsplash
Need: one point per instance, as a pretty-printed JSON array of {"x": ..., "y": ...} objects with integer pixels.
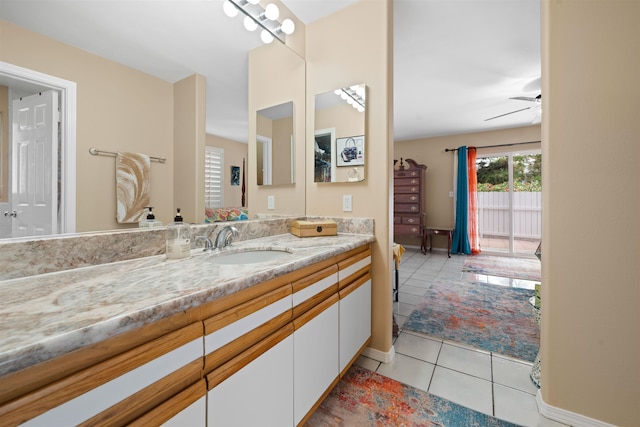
[{"x": 28, "y": 257}]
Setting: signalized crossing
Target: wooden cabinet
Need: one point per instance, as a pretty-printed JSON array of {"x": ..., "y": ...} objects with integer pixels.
[
  {"x": 260, "y": 393},
  {"x": 354, "y": 276},
  {"x": 300, "y": 362},
  {"x": 265, "y": 355},
  {"x": 408, "y": 198},
  {"x": 117, "y": 390},
  {"x": 315, "y": 361},
  {"x": 187, "y": 408}
]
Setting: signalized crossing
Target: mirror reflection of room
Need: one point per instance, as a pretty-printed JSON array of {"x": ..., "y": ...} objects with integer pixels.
[
  {"x": 339, "y": 139},
  {"x": 275, "y": 145}
]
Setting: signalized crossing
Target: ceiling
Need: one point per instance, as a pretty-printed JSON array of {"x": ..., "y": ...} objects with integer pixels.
[{"x": 456, "y": 62}]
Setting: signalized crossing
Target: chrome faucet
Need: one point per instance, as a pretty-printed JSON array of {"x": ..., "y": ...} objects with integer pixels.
[
  {"x": 225, "y": 236},
  {"x": 208, "y": 245}
]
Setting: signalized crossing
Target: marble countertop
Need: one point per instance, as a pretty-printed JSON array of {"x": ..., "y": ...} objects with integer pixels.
[{"x": 48, "y": 315}]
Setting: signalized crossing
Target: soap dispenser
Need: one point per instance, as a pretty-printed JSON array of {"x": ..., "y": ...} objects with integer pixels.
[
  {"x": 151, "y": 220},
  {"x": 178, "y": 238}
]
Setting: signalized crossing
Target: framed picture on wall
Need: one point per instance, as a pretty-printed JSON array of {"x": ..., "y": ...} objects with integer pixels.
[
  {"x": 350, "y": 151},
  {"x": 235, "y": 175}
]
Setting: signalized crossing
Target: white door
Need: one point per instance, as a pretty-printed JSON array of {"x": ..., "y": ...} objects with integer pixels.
[
  {"x": 267, "y": 162},
  {"x": 34, "y": 167}
]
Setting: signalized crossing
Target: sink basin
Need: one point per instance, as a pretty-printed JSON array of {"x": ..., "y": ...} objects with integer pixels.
[{"x": 251, "y": 256}]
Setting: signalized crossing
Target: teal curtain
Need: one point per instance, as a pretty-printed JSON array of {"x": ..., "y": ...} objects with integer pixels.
[{"x": 460, "y": 243}]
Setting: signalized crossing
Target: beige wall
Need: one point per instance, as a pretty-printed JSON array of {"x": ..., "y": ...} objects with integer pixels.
[
  {"x": 276, "y": 76},
  {"x": 119, "y": 108},
  {"x": 439, "y": 176},
  {"x": 591, "y": 233},
  {"x": 4, "y": 142},
  {"x": 344, "y": 49},
  {"x": 281, "y": 156},
  {"x": 234, "y": 155},
  {"x": 188, "y": 149}
]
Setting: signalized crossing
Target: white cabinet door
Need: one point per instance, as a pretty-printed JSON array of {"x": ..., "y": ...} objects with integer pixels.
[
  {"x": 194, "y": 415},
  {"x": 355, "y": 321},
  {"x": 260, "y": 394},
  {"x": 315, "y": 359},
  {"x": 91, "y": 403}
]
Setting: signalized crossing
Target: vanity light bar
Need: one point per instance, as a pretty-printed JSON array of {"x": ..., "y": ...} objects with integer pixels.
[
  {"x": 256, "y": 16},
  {"x": 354, "y": 95}
]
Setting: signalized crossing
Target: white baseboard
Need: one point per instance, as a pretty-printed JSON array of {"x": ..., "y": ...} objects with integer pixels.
[
  {"x": 380, "y": 356},
  {"x": 567, "y": 417}
]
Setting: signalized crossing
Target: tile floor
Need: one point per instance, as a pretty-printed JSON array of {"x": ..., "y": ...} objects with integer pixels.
[{"x": 489, "y": 383}]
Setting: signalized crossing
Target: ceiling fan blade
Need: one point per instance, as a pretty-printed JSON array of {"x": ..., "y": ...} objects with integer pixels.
[
  {"x": 528, "y": 98},
  {"x": 506, "y": 114}
]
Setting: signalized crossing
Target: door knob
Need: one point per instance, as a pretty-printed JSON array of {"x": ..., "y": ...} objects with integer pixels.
[{"x": 12, "y": 213}]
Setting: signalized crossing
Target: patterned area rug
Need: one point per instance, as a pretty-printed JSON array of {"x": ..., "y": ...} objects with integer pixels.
[
  {"x": 514, "y": 268},
  {"x": 489, "y": 317},
  {"x": 364, "y": 398}
]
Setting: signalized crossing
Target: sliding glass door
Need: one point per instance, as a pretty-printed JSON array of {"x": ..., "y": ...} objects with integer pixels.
[{"x": 510, "y": 202}]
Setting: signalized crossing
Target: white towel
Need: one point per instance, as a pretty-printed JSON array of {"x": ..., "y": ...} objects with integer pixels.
[{"x": 132, "y": 186}]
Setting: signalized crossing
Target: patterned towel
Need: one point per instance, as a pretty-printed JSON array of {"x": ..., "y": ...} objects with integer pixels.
[{"x": 132, "y": 186}]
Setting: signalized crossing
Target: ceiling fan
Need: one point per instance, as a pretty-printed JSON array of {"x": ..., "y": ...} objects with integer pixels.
[{"x": 537, "y": 103}]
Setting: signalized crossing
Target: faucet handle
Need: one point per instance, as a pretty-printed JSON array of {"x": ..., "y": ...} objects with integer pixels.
[{"x": 208, "y": 244}]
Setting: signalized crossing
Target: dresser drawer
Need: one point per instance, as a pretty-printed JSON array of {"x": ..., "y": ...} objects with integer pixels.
[
  {"x": 407, "y": 182},
  {"x": 401, "y": 174},
  {"x": 407, "y": 198},
  {"x": 406, "y": 229},
  {"x": 407, "y": 207},
  {"x": 406, "y": 190},
  {"x": 409, "y": 220}
]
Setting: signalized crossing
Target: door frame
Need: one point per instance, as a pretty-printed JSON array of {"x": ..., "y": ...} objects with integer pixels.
[
  {"x": 267, "y": 159},
  {"x": 509, "y": 154},
  {"x": 68, "y": 106}
]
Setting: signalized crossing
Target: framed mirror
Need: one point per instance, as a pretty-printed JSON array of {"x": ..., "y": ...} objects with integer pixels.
[
  {"x": 275, "y": 145},
  {"x": 339, "y": 135}
]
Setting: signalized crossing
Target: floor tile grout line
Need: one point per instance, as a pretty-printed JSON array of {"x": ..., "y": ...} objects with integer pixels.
[{"x": 433, "y": 373}]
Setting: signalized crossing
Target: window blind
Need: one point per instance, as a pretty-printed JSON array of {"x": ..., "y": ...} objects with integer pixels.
[{"x": 214, "y": 177}]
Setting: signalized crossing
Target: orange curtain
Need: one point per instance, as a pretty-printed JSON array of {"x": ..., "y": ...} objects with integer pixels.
[{"x": 474, "y": 231}]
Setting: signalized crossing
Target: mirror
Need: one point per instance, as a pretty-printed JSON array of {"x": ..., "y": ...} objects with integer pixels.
[
  {"x": 275, "y": 145},
  {"x": 98, "y": 121},
  {"x": 339, "y": 146}
]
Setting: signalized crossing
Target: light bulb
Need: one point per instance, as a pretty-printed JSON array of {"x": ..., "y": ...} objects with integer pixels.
[
  {"x": 250, "y": 24},
  {"x": 229, "y": 9},
  {"x": 344, "y": 96},
  {"x": 361, "y": 108},
  {"x": 288, "y": 27},
  {"x": 337, "y": 91},
  {"x": 350, "y": 101},
  {"x": 360, "y": 91},
  {"x": 266, "y": 37},
  {"x": 272, "y": 12}
]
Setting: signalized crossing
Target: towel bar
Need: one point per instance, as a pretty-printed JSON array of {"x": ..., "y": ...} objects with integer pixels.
[{"x": 97, "y": 152}]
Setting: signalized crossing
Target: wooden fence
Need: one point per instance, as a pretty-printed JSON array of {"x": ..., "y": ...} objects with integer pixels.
[{"x": 493, "y": 212}]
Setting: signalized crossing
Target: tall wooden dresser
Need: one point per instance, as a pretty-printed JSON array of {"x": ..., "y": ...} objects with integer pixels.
[{"x": 408, "y": 198}]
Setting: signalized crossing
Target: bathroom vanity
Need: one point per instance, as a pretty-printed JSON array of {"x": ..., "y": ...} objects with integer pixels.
[{"x": 186, "y": 342}]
